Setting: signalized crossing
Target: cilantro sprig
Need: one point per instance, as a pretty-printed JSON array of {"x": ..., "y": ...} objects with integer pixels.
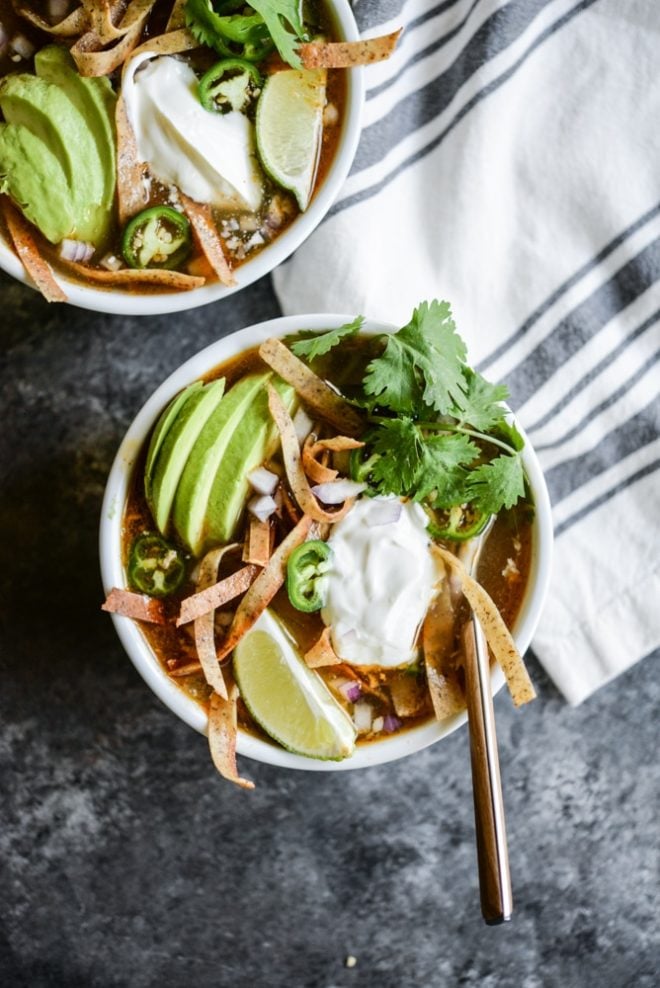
[
  {"x": 437, "y": 429},
  {"x": 315, "y": 345}
]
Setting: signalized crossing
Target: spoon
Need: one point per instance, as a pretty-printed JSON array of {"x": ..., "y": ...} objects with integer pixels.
[{"x": 492, "y": 851}]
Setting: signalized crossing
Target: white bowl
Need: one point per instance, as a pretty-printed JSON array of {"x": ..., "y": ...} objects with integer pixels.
[
  {"x": 125, "y": 303},
  {"x": 135, "y": 643}
]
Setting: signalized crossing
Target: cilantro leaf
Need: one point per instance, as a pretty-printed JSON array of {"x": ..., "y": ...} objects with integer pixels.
[
  {"x": 480, "y": 405},
  {"x": 284, "y": 21},
  {"x": 422, "y": 364},
  {"x": 399, "y": 445},
  {"x": 498, "y": 484},
  {"x": 319, "y": 344},
  {"x": 508, "y": 432},
  {"x": 442, "y": 470}
]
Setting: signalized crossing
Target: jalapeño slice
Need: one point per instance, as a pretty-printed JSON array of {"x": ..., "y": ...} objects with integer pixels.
[
  {"x": 305, "y": 570},
  {"x": 155, "y": 567},
  {"x": 232, "y": 84},
  {"x": 158, "y": 237},
  {"x": 458, "y": 523}
]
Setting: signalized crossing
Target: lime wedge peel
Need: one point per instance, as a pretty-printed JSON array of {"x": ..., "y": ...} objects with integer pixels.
[
  {"x": 286, "y": 698},
  {"x": 289, "y": 128}
]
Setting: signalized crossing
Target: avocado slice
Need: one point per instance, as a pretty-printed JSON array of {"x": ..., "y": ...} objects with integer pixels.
[
  {"x": 33, "y": 177},
  {"x": 253, "y": 442},
  {"x": 47, "y": 111},
  {"x": 192, "y": 496},
  {"x": 95, "y": 100},
  {"x": 163, "y": 425},
  {"x": 177, "y": 445}
]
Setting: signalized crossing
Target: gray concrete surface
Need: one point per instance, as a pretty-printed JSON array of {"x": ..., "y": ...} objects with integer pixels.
[{"x": 125, "y": 861}]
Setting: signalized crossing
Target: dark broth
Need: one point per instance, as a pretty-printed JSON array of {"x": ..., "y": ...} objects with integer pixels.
[{"x": 503, "y": 570}]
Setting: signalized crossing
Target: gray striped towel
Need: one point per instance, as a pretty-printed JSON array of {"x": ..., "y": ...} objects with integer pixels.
[{"x": 510, "y": 162}]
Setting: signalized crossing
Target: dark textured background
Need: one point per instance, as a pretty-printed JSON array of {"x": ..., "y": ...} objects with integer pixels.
[{"x": 125, "y": 861}]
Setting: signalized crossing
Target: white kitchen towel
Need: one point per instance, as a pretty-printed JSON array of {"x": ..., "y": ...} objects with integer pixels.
[{"x": 510, "y": 163}]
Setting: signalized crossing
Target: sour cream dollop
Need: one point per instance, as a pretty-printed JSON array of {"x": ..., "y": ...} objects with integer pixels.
[
  {"x": 209, "y": 156},
  {"x": 380, "y": 584}
]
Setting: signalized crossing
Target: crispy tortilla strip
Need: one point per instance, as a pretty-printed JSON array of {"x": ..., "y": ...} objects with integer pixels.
[
  {"x": 208, "y": 238},
  {"x": 347, "y": 54},
  {"x": 74, "y": 24},
  {"x": 177, "y": 18},
  {"x": 315, "y": 393},
  {"x": 204, "y": 625},
  {"x": 132, "y": 195},
  {"x": 171, "y": 43},
  {"x": 28, "y": 252},
  {"x": 445, "y": 692},
  {"x": 317, "y": 470},
  {"x": 104, "y": 18},
  {"x": 217, "y": 595},
  {"x": 153, "y": 277},
  {"x": 258, "y": 542},
  {"x": 222, "y": 731},
  {"x": 409, "y": 696},
  {"x": 497, "y": 634},
  {"x": 293, "y": 464},
  {"x": 138, "y": 606},
  {"x": 265, "y": 587},
  {"x": 290, "y": 506},
  {"x": 322, "y": 653}
]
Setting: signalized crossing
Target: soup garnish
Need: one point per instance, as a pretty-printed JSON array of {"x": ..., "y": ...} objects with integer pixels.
[
  {"x": 160, "y": 145},
  {"x": 324, "y": 574}
]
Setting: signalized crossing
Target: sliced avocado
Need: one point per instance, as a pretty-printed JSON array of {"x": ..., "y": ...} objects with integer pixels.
[
  {"x": 163, "y": 425},
  {"x": 253, "y": 442},
  {"x": 33, "y": 177},
  {"x": 192, "y": 496},
  {"x": 47, "y": 111},
  {"x": 177, "y": 445},
  {"x": 95, "y": 100}
]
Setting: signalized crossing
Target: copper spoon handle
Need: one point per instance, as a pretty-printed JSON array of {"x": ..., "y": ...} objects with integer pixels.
[{"x": 492, "y": 852}]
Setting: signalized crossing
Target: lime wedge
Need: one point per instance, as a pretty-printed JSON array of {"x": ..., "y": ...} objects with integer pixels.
[
  {"x": 290, "y": 701},
  {"x": 290, "y": 127}
]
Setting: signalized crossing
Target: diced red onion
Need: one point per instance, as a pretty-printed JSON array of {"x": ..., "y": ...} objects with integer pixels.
[
  {"x": 263, "y": 481},
  {"x": 377, "y": 725},
  {"x": 111, "y": 262},
  {"x": 57, "y": 10},
  {"x": 384, "y": 512},
  {"x": 337, "y": 491},
  {"x": 351, "y": 690},
  {"x": 303, "y": 424},
  {"x": 391, "y": 724},
  {"x": 76, "y": 250},
  {"x": 262, "y": 507},
  {"x": 22, "y": 46},
  {"x": 362, "y": 717}
]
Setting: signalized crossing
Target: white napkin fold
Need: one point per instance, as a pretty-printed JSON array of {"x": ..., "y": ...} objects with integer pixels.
[{"x": 510, "y": 163}]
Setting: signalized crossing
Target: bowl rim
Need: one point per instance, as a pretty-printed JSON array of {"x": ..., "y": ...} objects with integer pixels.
[
  {"x": 125, "y": 303},
  {"x": 135, "y": 643}
]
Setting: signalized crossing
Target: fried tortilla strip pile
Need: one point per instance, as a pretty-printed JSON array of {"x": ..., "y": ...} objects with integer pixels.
[{"x": 295, "y": 473}]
